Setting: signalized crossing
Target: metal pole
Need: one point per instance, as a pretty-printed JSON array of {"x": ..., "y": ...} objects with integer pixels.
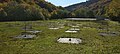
[{"x": 25, "y": 28}]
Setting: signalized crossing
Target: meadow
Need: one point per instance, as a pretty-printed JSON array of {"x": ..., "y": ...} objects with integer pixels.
[{"x": 46, "y": 41}]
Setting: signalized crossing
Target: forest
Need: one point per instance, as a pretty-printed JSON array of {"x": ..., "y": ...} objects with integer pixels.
[{"x": 21, "y": 10}]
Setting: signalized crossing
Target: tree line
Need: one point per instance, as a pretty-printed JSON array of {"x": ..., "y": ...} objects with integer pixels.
[{"x": 41, "y": 10}]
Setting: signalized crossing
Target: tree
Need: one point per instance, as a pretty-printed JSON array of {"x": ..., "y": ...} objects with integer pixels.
[
  {"x": 24, "y": 12},
  {"x": 83, "y": 12},
  {"x": 71, "y": 14},
  {"x": 46, "y": 14},
  {"x": 37, "y": 14},
  {"x": 59, "y": 14},
  {"x": 30, "y": 10},
  {"x": 113, "y": 10},
  {"x": 3, "y": 15}
]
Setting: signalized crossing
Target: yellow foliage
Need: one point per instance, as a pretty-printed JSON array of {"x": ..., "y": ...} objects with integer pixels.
[{"x": 113, "y": 9}]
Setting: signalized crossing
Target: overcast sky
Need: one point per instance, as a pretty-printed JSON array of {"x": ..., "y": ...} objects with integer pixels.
[{"x": 64, "y": 3}]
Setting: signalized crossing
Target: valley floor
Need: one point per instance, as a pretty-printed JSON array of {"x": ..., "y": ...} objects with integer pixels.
[{"x": 46, "y": 41}]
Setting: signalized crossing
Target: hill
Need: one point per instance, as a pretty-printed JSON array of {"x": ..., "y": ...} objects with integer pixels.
[
  {"x": 26, "y": 10},
  {"x": 42, "y": 10},
  {"x": 105, "y": 8},
  {"x": 92, "y": 4}
]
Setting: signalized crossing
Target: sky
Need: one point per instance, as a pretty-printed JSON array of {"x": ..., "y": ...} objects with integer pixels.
[{"x": 65, "y": 3}]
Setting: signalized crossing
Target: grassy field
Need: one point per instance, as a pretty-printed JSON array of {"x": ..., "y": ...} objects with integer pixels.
[{"x": 46, "y": 41}]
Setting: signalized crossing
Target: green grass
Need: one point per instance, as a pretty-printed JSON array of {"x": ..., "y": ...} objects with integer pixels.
[{"x": 45, "y": 42}]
